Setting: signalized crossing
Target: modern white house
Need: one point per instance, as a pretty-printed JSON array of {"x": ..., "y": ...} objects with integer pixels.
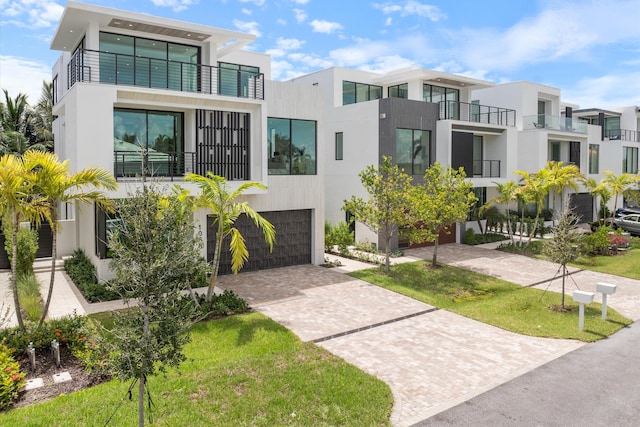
[
  {"x": 150, "y": 98},
  {"x": 417, "y": 117}
]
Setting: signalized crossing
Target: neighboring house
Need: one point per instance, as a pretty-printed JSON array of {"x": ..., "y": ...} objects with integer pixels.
[
  {"x": 154, "y": 99},
  {"x": 417, "y": 117}
]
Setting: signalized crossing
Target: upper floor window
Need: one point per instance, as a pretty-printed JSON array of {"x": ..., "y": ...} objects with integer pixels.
[
  {"x": 144, "y": 62},
  {"x": 594, "y": 158},
  {"x": 630, "y": 160},
  {"x": 353, "y": 93},
  {"x": 399, "y": 91},
  {"x": 236, "y": 79},
  {"x": 339, "y": 146},
  {"x": 433, "y": 93},
  {"x": 292, "y": 146},
  {"x": 413, "y": 147}
]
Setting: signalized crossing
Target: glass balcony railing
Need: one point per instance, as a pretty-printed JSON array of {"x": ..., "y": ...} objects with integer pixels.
[
  {"x": 622, "y": 134},
  {"x": 564, "y": 124},
  {"x": 476, "y": 113},
  {"x": 119, "y": 69},
  {"x": 148, "y": 164}
]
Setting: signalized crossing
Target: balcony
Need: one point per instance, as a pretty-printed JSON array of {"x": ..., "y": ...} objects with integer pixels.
[
  {"x": 153, "y": 164},
  {"x": 476, "y": 113},
  {"x": 563, "y": 124},
  {"x": 119, "y": 69},
  {"x": 622, "y": 134},
  {"x": 486, "y": 169}
]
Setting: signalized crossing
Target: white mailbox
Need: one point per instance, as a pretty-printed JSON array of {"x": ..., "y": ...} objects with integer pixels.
[
  {"x": 583, "y": 297},
  {"x": 606, "y": 288}
]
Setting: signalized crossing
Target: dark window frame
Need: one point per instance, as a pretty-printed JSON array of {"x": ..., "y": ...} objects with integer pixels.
[
  {"x": 290, "y": 156},
  {"x": 369, "y": 95},
  {"x": 339, "y": 145}
]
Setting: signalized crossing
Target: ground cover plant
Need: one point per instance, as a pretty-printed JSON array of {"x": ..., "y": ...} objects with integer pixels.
[
  {"x": 240, "y": 370},
  {"x": 494, "y": 301},
  {"x": 83, "y": 274}
]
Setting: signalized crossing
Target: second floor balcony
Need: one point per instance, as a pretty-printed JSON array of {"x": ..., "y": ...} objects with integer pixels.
[
  {"x": 622, "y": 134},
  {"x": 119, "y": 69},
  {"x": 476, "y": 113},
  {"x": 563, "y": 124}
]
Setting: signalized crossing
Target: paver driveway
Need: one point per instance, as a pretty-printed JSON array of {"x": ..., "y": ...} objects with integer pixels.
[{"x": 431, "y": 359}]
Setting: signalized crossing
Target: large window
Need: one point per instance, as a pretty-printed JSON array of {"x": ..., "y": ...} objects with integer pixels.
[
  {"x": 594, "y": 158},
  {"x": 292, "y": 146},
  {"x": 412, "y": 150},
  {"x": 105, "y": 224},
  {"x": 438, "y": 94},
  {"x": 353, "y": 93},
  {"x": 339, "y": 147},
  {"x": 399, "y": 91},
  {"x": 147, "y": 142},
  {"x": 150, "y": 63},
  {"x": 478, "y": 155},
  {"x": 629, "y": 160},
  {"x": 236, "y": 79}
]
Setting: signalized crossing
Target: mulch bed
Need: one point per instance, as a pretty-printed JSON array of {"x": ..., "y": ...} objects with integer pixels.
[{"x": 45, "y": 369}]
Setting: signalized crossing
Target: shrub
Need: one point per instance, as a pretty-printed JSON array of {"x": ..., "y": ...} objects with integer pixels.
[
  {"x": 11, "y": 379},
  {"x": 224, "y": 304},
  {"x": 470, "y": 236},
  {"x": 338, "y": 235},
  {"x": 83, "y": 274},
  {"x": 533, "y": 248},
  {"x": 596, "y": 243},
  {"x": 29, "y": 295},
  {"x": 27, "y": 240}
]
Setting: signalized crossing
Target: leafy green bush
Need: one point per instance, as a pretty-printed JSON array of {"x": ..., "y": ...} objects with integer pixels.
[
  {"x": 224, "y": 304},
  {"x": 338, "y": 235},
  {"x": 522, "y": 248},
  {"x": 470, "y": 236},
  {"x": 596, "y": 243},
  {"x": 27, "y": 240},
  {"x": 83, "y": 273},
  {"x": 11, "y": 379}
]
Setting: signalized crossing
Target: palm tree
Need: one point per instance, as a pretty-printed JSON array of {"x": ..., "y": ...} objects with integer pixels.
[
  {"x": 43, "y": 119},
  {"x": 562, "y": 175},
  {"x": 507, "y": 193},
  {"x": 597, "y": 190},
  {"x": 534, "y": 189},
  {"x": 54, "y": 184},
  {"x": 618, "y": 184},
  {"x": 17, "y": 203},
  {"x": 221, "y": 201}
]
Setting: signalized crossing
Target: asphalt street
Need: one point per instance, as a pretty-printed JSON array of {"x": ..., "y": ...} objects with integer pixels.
[{"x": 596, "y": 385}]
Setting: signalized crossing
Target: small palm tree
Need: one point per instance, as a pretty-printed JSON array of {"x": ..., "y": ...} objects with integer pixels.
[
  {"x": 217, "y": 197},
  {"x": 562, "y": 176},
  {"x": 598, "y": 190},
  {"x": 534, "y": 189},
  {"x": 54, "y": 184},
  {"x": 618, "y": 184},
  {"x": 507, "y": 193},
  {"x": 17, "y": 203}
]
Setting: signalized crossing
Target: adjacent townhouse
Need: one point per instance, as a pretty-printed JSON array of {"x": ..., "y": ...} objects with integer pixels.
[{"x": 153, "y": 99}]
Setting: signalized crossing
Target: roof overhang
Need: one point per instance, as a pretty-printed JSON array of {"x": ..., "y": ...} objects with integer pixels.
[
  {"x": 77, "y": 16},
  {"x": 433, "y": 77},
  {"x": 594, "y": 112}
]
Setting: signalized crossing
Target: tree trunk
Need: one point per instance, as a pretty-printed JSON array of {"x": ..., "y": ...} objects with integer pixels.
[
  {"x": 434, "y": 260},
  {"x": 52, "y": 277},
  {"x": 141, "y": 386},
  {"x": 216, "y": 259},
  {"x": 564, "y": 273},
  {"x": 14, "y": 270},
  {"x": 387, "y": 250}
]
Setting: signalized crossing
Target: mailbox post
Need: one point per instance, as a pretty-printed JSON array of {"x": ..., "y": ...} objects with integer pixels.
[
  {"x": 583, "y": 298},
  {"x": 605, "y": 289}
]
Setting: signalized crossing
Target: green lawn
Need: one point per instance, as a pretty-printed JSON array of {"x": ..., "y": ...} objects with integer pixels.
[
  {"x": 494, "y": 301},
  {"x": 625, "y": 264},
  {"x": 242, "y": 371}
]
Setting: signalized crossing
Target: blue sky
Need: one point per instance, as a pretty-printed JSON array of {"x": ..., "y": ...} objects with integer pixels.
[{"x": 590, "y": 48}]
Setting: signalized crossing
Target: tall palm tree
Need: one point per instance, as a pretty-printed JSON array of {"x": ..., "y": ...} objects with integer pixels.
[
  {"x": 507, "y": 193},
  {"x": 54, "y": 184},
  {"x": 43, "y": 119},
  {"x": 217, "y": 197},
  {"x": 618, "y": 184},
  {"x": 597, "y": 190},
  {"x": 17, "y": 203}
]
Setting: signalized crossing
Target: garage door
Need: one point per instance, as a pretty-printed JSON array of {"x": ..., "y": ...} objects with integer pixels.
[
  {"x": 292, "y": 247},
  {"x": 582, "y": 206}
]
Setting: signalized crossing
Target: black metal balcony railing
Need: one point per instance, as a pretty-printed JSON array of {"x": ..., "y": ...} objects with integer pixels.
[
  {"x": 486, "y": 168},
  {"x": 119, "y": 69},
  {"x": 464, "y": 111},
  {"x": 622, "y": 134},
  {"x": 153, "y": 164}
]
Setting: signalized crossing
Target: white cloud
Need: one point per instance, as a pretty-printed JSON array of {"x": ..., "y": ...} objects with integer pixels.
[
  {"x": 281, "y": 21},
  {"x": 388, "y": 63},
  {"x": 256, "y": 2},
  {"x": 326, "y": 27},
  {"x": 248, "y": 27},
  {"x": 21, "y": 75},
  {"x": 411, "y": 7},
  {"x": 246, "y": 11},
  {"x": 388, "y": 21},
  {"x": 308, "y": 62},
  {"x": 302, "y": 2},
  {"x": 32, "y": 13},
  {"x": 175, "y": 5},
  {"x": 301, "y": 15},
  {"x": 368, "y": 53},
  {"x": 289, "y": 44},
  {"x": 608, "y": 91}
]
